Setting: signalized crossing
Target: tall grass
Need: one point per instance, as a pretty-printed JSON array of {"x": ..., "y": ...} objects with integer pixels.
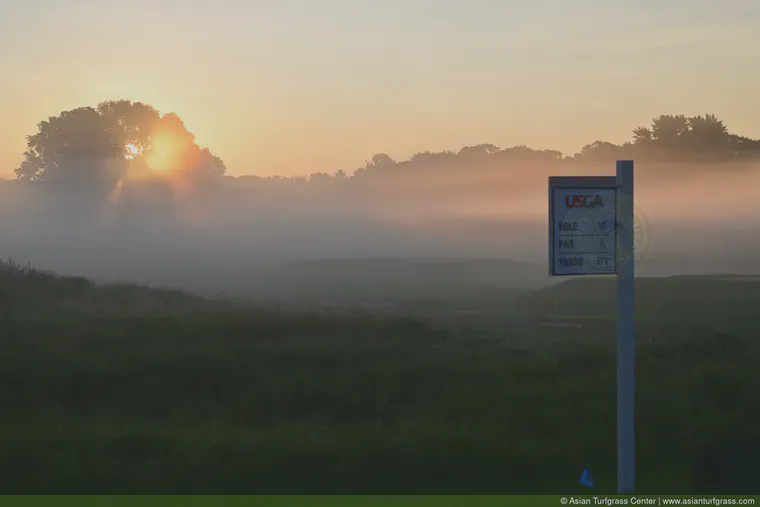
[{"x": 223, "y": 399}]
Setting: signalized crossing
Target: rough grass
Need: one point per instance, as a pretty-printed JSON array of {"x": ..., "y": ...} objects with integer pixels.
[{"x": 111, "y": 390}]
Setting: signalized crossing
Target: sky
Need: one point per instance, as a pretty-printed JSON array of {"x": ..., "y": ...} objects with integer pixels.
[{"x": 293, "y": 87}]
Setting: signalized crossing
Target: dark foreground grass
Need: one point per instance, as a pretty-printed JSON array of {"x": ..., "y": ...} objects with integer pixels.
[
  {"x": 212, "y": 399},
  {"x": 223, "y": 402}
]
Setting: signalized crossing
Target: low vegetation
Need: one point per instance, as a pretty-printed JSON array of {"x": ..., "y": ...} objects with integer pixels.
[{"x": 123, "y": 389}]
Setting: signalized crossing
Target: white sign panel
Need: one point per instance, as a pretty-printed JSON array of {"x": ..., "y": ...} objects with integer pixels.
[{"x": 582, "y": 236}]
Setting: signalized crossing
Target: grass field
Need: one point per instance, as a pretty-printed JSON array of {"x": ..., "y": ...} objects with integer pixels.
[{"x": 124, "y": 389}]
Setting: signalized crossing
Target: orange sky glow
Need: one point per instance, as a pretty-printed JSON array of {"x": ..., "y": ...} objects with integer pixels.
[{"x": 294, "y": 88}]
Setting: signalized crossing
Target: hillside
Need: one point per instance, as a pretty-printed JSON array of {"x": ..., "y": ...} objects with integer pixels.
[
  {"x": 29, "y": 291},
  {"x": 430, "y": 272},
  {"x": 397, "y": 285},
  {"x": 695, "y": 300}
]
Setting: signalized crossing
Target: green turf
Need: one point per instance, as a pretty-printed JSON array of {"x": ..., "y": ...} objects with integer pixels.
[{"x": 130, "y": 390}]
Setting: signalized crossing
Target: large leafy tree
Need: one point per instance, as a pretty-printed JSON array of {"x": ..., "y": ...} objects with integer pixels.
[
  {"x": 78, "y": 147},
  {"x": 94, "y": 148},
  {"x": 679, "y": 135},
  {"x": 708, "y": 134},
  {"x": 669, "y": 130}
]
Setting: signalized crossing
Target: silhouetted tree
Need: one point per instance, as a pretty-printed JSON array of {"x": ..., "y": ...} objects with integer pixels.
[
  {"x": 428, "y": 158},
  {"x": 708, "y": 134},
  {"x": 686, "y": 138},
  {"x": 642, "y": 136},
  {"x": 320, "y": 178},
  {"x": 523, "y": 154},
  {"x": 599, "y": 151},
  {"x": 381, "y": 160},
  {"x": 481, "y": 150},
  {"x": 78, "y": 147},
  {"x": 670, "y": 130},
  {"x": 93, "y": 148},
  {"x": 743, "y": 146},
  {"x": 130, "y": 122}
]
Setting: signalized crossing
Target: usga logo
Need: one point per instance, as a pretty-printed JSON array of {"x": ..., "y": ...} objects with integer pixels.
[{"x": 584, "y": 201}]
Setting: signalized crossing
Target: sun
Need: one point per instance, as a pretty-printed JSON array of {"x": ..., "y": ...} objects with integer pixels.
[
  {"x": 168, "y": 150},
  {"x": 131, "y": 151},
  {"x": 166, "y": 153}
]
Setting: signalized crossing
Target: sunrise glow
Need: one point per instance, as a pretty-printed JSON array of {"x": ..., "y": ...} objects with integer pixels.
[
  {"x": 165, "y": 154},
  {"x": 131, "y": 151}
]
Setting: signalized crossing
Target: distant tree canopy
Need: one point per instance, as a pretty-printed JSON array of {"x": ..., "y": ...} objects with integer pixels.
[
  {"x": 94, "y": 148},
  {"x": 97, "y": 147},
  {"x": 669, "y": 138},
  {"x": 677, "y": 138}
]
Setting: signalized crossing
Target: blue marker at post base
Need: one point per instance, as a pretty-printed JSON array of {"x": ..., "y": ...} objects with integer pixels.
[
  {"x": 626, "y": 350},
  {"x": 586, "y": 478}
]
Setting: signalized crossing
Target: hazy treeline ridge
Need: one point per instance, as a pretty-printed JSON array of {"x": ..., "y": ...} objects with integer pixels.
[
  {"x": 124, "y": 146},
  {"x": 118, "y": 138},
  {"x": 122, "y": 191},
  {"x": 670, "y": 139}
]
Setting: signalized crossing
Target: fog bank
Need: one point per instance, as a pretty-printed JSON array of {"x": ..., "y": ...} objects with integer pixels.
[{"x": 695, "y": 220}]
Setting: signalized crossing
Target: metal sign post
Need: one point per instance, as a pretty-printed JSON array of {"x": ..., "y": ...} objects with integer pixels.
[
  {"x": 591, "y": 232},
  {"x": 626, "y": 347}
]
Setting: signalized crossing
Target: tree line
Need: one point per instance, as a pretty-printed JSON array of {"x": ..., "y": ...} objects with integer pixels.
[{"x": 96, "y": 147}]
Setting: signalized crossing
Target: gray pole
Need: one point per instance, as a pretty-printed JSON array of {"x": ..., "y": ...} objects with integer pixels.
[{"x": 626, "y": 349}]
